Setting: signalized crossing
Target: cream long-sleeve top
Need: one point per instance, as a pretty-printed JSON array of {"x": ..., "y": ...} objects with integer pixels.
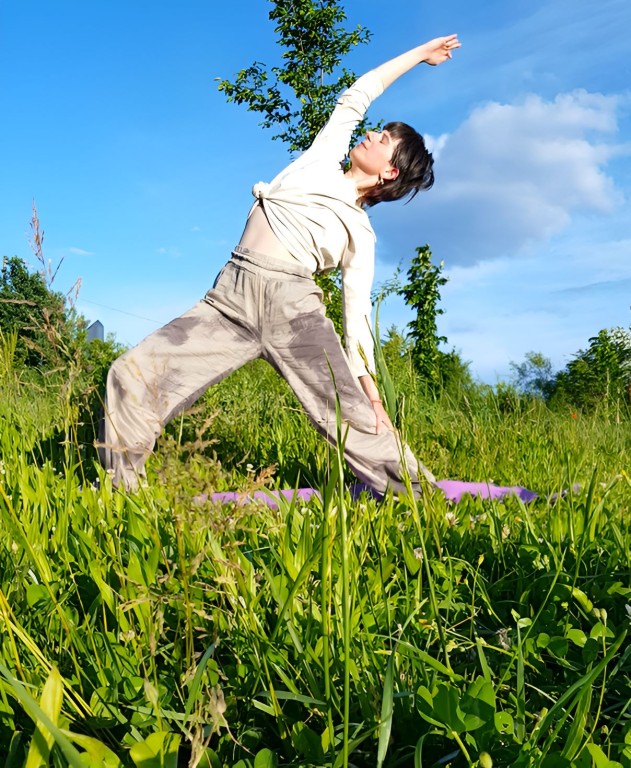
[{"x": 312, "y": 209}]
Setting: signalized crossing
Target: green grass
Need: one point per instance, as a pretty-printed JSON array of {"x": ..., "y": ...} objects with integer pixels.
[{"x": 157, "y": 629}]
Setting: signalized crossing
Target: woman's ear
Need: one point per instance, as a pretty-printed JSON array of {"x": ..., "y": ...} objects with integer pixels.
[{"x": 391, "y": 173}]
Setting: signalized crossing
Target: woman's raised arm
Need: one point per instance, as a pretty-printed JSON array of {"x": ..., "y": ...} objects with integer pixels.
[{"x": 433, "y": 52}]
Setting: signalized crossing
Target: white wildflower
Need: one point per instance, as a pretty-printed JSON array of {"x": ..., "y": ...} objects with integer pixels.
[
  {"x": 503, "y": 639},
  {"x": 452, "y": 519}
]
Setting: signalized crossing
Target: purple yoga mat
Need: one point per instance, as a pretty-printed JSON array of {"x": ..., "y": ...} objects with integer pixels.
[{"x": 454, "y": 491}]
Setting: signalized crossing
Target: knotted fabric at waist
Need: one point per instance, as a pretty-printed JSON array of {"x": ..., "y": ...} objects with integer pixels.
[{"x": 260, "y": 190}]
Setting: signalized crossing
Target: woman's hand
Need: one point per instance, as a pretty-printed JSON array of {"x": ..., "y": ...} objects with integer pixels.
[
  {"x": 439, "y": 50},
  {"x": 434, "y": 52},
  {"x": 382, "y": 418}
]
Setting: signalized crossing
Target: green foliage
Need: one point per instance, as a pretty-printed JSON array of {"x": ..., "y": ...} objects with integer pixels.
[
  {"x": 455, "y": 376},
  {"x": 422, "y": 293},
  {"x": 256, "y": 426},
  {"x": 30, "y": 309},
  {"x": 599, "y": 376},
  {"x": 89, "y": 369},
  {"x": 534, "y": 376},
  {"x": 396, "y": 352},
  {"x": 295, "y": 95},
  {"x": 159, "y": 629},
  {"x": 412, "y": 393},
  {"x": 9, "y": 363}
]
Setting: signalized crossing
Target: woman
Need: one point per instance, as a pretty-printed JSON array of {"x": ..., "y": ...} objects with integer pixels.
[{"x": 310, "y": 218}]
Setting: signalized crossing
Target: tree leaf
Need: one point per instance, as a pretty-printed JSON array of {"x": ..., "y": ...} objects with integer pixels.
[
  {"x": 159, "y": 750},
  {"x": 447, "y": 709},
  {"x": 265, "y": 759}
]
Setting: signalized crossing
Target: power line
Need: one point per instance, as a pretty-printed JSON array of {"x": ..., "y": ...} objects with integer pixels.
[{"x": 121, "y": 311}]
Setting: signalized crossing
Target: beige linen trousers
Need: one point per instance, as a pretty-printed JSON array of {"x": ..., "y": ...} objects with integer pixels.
[{"x": 258, "y": 307}]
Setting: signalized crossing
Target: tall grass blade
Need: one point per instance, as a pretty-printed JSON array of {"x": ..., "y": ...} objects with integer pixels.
[
  {"x": 14, "y": 746},
  {"x": 197, "y": 680},
  {"x": 561, "y": 709},
  {"x": 578, "y": 731},
  {"x": 418, "y": 752},
  {"x": 345, "y": 543},
  {"x": 387, "y": 385},
  {"x": 50, "y": 703},
  {"x": 520, "y": 690},
  {"x": 39, "y": 717},
  {"x": 387, "y": 709}
]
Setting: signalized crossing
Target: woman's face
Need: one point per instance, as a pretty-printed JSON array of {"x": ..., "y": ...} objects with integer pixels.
[{"x": 373, "y": 155}]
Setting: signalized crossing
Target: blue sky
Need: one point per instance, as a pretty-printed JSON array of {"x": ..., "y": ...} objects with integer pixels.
[{"x": 141, "y": 172}]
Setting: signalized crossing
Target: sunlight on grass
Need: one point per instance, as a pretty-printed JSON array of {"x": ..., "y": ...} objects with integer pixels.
[{"x": 158, "y": 629}]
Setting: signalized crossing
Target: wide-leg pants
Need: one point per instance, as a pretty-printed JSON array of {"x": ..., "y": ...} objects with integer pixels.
[{"x": 258, "y": 307}]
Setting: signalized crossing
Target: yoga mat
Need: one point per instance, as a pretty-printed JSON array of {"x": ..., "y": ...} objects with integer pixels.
[{"x": 454, "y": 491}]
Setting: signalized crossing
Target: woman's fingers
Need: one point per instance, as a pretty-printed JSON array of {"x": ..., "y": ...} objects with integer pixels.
[
  {"x": 451, "y": 42},
  {"x": 382, "y": 420}
]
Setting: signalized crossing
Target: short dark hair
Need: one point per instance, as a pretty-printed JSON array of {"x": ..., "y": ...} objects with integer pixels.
[{"x": 414, "y": 162}]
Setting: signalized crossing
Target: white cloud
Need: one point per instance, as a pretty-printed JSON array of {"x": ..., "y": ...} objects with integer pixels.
[
  {"x": 510, "y": 175},
  {"x": 80, "y": 252},
  {"x": 435, "y": 144}
]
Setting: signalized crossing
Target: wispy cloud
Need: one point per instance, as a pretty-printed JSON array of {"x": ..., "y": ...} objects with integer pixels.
[
  {"x": 604, "y": 286},
  {"x": 173, "y": 253},
  {"x": 547, "y": 47},
  {"x": 80, "y": 252},
  {"x": 556, "y": 36}
]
